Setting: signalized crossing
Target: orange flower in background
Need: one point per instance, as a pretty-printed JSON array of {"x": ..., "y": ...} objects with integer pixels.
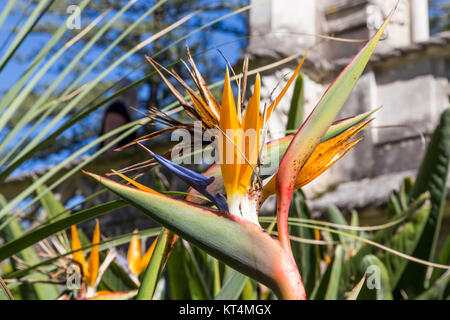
[
  {"x": 90, "y": 268},
  {"x": 92, "y": 271},
  {"x": 137, "y": 262}
]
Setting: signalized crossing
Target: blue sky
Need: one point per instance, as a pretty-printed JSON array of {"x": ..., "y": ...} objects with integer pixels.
[{"x": 14, "y": 69}]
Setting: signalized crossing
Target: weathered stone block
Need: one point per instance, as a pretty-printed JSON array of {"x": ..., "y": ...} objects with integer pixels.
[
  {"x": 360, "y": 19},
  {"x": 400, "y": 156},
  {"x": 411, "y": 96},
  {"x": 281, "y": 26}
]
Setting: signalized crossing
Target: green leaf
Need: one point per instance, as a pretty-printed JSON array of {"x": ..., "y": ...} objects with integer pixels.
[
  {"x": 118, "y": 132},
  {"x": 31, "y": 237},
  {"x": 274, "y": 150},
  {"x": 321, "y": 286},
  {"x": 44, "y": 96},
  {"x": 177, "y": 281},
  {"x": 6, "y": 11},
  {"x": 191, "y": 273},
  {"x": 54, "y": 208},
  {"x": 227, "y": 238},
  {"x": 90, "y": 85},
  {"x": 233, "y": 286},
  {"x": 400, "y": 200},
  {"x": 196, "y": 277},
  {"x": 432, "y": 177},
  {"x": 115, "y": 278},
  {"x": 334, "y": 215},
  {"x": 156, "y": 265},
  {"x": 197, "y": 291},
  {"x": 42, "y": 291},
  {"x": 14, "y": 104},
  {"x": 35, "y": 63},
  {"x": 354, "y": 222},
  {"x": 249, "y": 292},
  {"x": 5, "y": 294},
  {"x": 296, "y": 111},
  {"x": 335, "y": 276},
  {"x": 315, "y": 127},
  {"x": 443, "y": 258},
  {"x": 103, "y": 245},
  {"x": 343, "y": 125},
  {"x": 328, "y": 286},
  {"x": 33, "y": 19},
  {"x": 405, "y": 241},
  {"x": 217, "y": 280},
  {"x": 94, "y": 104},
  {"x": 357, "y": 289},
  {"x": 437, "y": 290},
  {"x": 385, "y": 235}
]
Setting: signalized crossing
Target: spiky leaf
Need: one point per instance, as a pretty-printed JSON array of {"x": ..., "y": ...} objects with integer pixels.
[{"x": 432, "y": 177}]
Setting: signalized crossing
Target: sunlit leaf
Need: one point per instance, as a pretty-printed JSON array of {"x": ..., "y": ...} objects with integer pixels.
[
  {"x": 314, "y": 128},
  {"x": 211, "y": 230}
]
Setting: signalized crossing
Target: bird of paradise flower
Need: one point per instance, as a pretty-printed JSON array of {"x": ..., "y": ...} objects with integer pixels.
[
  {"x": 228, "y": 229},
  {"x": 92, "y": 270}
]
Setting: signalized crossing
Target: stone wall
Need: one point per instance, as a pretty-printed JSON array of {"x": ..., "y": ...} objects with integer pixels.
[{"x": 408, "y": 76}]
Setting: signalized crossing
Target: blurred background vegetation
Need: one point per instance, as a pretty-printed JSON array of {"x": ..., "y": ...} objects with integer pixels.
[{"x": 232, "y": 32}]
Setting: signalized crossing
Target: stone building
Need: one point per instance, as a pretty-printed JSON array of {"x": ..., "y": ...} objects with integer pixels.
[{"x": 407, "y": 75}]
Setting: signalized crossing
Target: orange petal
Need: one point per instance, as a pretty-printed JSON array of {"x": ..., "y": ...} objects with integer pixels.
[
  {"x": 250, "y": 142},
  {"x": 94, "y": 257},
  {"x": 328, "y": 153},
  {"x": 323, "y": 162},
  {"x": 317, "y": 234},
  {"x": 203, "y": 110},
  {"x": 135, "y": 183},
  {"x": 274, "y": 104},
  {"x": 78, "y": 256},
  {"x": 213, "y": 106},
  {"x": 117, "y": 295},
  {"x": 148, "y": 255},
  {"x": 324, "y": 156},
  {"x": 134, "y": 255},
  {"x": 229, "y": 124},
  {"x": 103, "y": 292}
]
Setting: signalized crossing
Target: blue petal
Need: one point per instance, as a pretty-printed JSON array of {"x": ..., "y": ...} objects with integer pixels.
[
  {"x": 184, "y": 173},
  {"x": 195, "y": 180},
  {"x": 221, "y": 202}
]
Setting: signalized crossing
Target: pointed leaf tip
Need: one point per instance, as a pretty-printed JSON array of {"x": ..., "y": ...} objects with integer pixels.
[
  {"x": 315, "y": 127},
  {"x": 225, "y": 237}
]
